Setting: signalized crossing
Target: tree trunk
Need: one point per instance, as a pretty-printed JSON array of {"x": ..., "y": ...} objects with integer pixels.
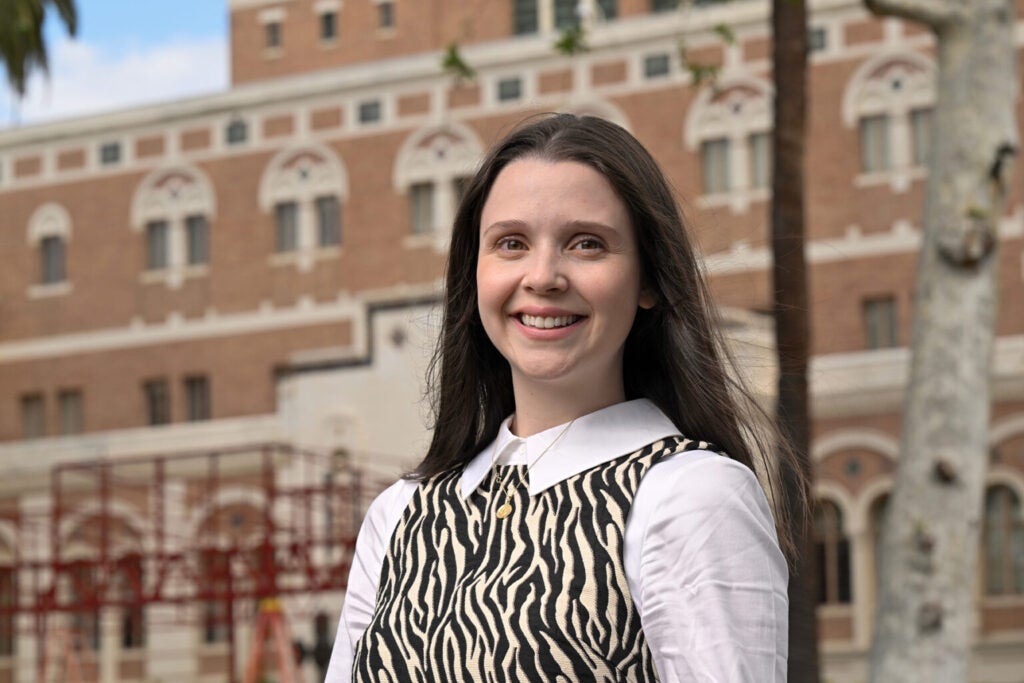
[
  {"x": 792, "y": 335},
  {"x": 930, "y": 537}
]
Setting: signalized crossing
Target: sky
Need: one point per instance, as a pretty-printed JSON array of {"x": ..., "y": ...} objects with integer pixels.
[{"x": 126, "y": 53}]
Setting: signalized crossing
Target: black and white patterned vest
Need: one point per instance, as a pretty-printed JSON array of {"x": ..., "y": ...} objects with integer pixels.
[{"x": 539, "y": 596}]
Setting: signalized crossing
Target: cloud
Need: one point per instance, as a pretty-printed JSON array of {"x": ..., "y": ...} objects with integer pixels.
[{"x": 85, "y": 81}]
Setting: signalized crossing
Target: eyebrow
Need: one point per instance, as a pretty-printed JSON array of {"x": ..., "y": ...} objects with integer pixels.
[{"x": 578, "y": 224}]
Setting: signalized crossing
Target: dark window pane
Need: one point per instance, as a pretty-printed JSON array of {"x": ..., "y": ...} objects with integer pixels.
[
  {"x": 880, "y": 323},
  {"x": 110, "y": 153},
  {"x": 33, "y": 416},
  {"x": 197, "y": 398},
  {"x": 52, "y": 253},
  {"x": 510, "y": 89},
  {"x": 421, "y": 208},
  {"x": 158, "y": 402},
  {"x": 874, "y": 143},
  {"x": 386, "y": 14},
  {"x": 197, "y": 231},
  {"x": 656, "y": 65},
  {"x": 237, "y": 132},
  {"x": 816, "y": 39},
  {"x": 663, "y": 5},
  {"x": 369, "y": 112},
  {"x": 760, "y": 159},
  {"x": 524, "y": 17},
  {"x": 715, "y": 163},
  {"x": 287, "y": 216},
  {"x": 328, "y": 213},
  {"x": 921, "y": 133},
  {"x": 8, "y": 599},
  {"x": 328, "y": 26},
  {"x": 156, "y": 245},
  {"x": 565, "y": 14},
  {"x": 69, "y": 403},
  {"x": 609, "y": 8},
  {"x": 272, "y": 34}
]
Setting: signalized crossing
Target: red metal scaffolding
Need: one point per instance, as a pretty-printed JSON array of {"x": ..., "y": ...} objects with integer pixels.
[{"x": 260, "y": 522}]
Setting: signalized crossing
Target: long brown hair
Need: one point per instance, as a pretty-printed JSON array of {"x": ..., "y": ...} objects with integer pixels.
[{"x": 674, "y": 355}]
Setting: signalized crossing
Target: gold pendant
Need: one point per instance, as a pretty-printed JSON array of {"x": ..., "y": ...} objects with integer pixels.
[{"x": 504, "y": 511}]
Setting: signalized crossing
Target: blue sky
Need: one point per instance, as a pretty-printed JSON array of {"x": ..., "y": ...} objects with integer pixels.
[{"x": 126, "y": 53}]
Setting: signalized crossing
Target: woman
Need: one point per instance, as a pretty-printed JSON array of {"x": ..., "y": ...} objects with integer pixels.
[{"x": 571, "y": 520}]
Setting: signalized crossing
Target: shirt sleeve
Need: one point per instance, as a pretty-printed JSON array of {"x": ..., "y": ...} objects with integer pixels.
[
  {"x": 364, "y": 576},
  {"x": 712, "y": 581}
]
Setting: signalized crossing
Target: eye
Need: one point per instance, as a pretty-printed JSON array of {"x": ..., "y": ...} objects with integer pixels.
[
  {"x": 511, "y": 243},
  {"x": 588, "y": 243}
]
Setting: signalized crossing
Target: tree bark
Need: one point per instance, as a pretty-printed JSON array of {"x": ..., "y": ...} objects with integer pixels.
[
  {"x": 792, "y": 331},
  {"x": 930, "y": 537}
]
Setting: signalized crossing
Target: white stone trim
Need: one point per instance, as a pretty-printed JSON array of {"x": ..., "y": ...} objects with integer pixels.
[
  {"x": 224, "y": 496},
  {"x": 137, "y": 522},
  {"x": 51, "y": 289},
  {"x": 1006, "y": 428},
  {"x": 902, "y": 238},
  {"x": 273, "y": 15},
  {"x": 249, "y": 4},
  {"x": 860, "y": 520},
  {"x": 872, "y": 440},
  {"x": 49, "y": 220},
  {"x": 1001, "y": 475},
  {"x": 324, "y": 6},
  {"x": 834, "y": 493}
]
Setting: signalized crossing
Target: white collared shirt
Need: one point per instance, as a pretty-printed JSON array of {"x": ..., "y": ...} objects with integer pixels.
[{"x": 701, "y": 556}]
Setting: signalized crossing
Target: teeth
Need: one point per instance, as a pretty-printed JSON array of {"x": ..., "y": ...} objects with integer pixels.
[{"x": 543, "y": 323}]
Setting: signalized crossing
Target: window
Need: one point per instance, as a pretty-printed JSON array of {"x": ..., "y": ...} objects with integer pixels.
[
  {"x": 237, "y": 132},
  {"x": 876, "y": 515},
  {"x": 156, "y": 245},
  {"x": 760, "y": 159},
  {"x": 33, "y": 416},
  {"x": 286, "y": 217},
  {"x": 158, "y": 402},
  {"x": 525, "y": 18},
  {"x": 85, "y": 623},
  {"x": 369, "y": 112},
  {"x": 197, "y": 398},
  {"x": 197, "y": 238},
  {"x": 304, "y": 190},
  {"x": 1003, "y": 542},
  {"x": 714, "y": 156},
  {"x": 510, "y": 89},
  {"x": 52, "y": 254},
  {"x": 921, "y": 133},
  {"x": 609, "y": 8},
  {"x": 215, "y": 566},
  {"x": 656, "y": 65},
  {"x": 272, "y": 35},
  {"x": 817, "y": 39},
  {"x": 664, "y": 5},
  {"x": 69, "y": 405},
  {"x": 328, "y": 27},
  {"x": 565, "y": 14},
  {"x": 128, "y": 584},
  {"x": 385, "y": 14},
  {"x": 110, "y": 153},
  {"x": 8, "y": 599},
  {"x": 880, "y": 324},
  {"x": 833, "y": 551},
  {"x": 421, "y": 208},
  {"x": 328, "y": 219},
  {"x": 874, "y": 143},
  {"x": 173, "y": 209}
]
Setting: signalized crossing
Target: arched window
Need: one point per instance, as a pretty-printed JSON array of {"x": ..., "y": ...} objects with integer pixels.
[
  {"x": 49, "y": 231},
  {"x": 889, "y": 101},
  {"x": 304, "y": 191},
  {"x": 833, "y": 549},
  {"x": 1003, "y": 542},
  {"x": 432, "y": 169},
  {"x": 172, "y": 209},
  {"x": 729, "y": 128}
]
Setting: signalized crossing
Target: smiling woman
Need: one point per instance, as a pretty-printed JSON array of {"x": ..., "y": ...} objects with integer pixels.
[{"x": 587, "y": 509}]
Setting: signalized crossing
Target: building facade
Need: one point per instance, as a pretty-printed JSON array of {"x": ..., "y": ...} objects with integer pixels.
[{"x": 261, "y": 266}]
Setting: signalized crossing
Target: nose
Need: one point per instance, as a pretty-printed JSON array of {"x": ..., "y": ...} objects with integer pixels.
[{"x": 545, "y": 273}]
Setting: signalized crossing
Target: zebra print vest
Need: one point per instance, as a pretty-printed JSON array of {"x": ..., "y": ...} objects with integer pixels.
[{"x": 538, "y": 596}]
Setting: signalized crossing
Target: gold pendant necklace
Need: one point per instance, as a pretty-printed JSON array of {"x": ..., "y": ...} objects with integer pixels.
[{"x": 506, "y": 508}]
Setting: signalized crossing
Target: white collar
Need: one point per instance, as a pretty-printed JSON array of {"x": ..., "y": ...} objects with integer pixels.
[{"x": 591, "y": 440}]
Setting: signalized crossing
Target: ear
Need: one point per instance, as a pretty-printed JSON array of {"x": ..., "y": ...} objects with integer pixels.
[{"x": 647, "y": 299}]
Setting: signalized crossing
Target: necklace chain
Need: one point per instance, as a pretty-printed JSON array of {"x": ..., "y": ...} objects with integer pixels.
[{"x": 506, "y": 509}]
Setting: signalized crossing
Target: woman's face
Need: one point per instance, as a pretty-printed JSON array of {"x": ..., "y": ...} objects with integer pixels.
[{"x": 558, "y": 275}]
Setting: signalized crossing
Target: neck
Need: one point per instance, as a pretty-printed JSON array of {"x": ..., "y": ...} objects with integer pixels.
[{"x": 541, "y": 406}]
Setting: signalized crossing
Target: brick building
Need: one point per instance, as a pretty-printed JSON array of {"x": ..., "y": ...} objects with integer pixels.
[{"x": 261, "y": 265}]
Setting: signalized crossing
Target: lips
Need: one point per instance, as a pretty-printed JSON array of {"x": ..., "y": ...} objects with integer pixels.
[{"x": 542, "y": 322}]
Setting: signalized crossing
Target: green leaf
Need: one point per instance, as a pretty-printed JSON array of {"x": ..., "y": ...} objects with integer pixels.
[
  {"x": 452, "y": 63},
  {"x": 725, "y": 32},
  {"x": 572, "y": 41}
]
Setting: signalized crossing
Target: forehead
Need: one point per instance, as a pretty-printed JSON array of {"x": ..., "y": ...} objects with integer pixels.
[{"x": 533, "y": 189}]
